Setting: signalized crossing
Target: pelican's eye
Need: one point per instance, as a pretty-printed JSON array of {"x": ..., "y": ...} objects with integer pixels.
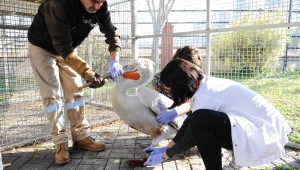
[{"x": 134, "y": 63}]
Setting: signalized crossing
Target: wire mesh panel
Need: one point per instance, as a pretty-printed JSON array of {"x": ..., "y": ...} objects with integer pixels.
[
  {"x": 255, "y": 42},
  {"x": 258, "y": 47},
  {"x": 22, "y": 115}
]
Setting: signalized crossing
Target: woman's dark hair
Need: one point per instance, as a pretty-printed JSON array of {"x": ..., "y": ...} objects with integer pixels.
[
  {"x": 183, "y": 78},
  {"x": 190, "y": 54}
]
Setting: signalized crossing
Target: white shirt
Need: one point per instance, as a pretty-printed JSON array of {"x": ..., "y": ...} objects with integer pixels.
[{"x": 259, "y": 131}]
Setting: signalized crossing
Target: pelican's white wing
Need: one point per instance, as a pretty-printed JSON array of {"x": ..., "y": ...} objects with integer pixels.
[{"x": 152, "y": 98}]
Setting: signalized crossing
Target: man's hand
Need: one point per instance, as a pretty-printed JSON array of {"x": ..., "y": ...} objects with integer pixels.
[
  {"x": 154, "y": 159},
  {"x": 167, "y": 115},
  {"x": 154, "y": 150},
  {"x": 115, "y": 69},
  {"x": 95, "y": 78}
]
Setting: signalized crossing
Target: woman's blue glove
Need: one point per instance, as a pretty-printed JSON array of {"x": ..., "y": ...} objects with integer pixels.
[
  {"x": 167, "y": 115},
  {"x": 154, "y": 159},
  {"x": 115, "y": 69},
  {"x": 154, "y": 150}
]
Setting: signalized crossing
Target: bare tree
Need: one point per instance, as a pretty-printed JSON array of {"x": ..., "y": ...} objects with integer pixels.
[{"x": 159, "y": 17}]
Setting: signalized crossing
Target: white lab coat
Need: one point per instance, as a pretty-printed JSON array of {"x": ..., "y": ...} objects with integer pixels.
[
  {"x": 1, "y": 166},
  {"x": 259, "y": 131}
]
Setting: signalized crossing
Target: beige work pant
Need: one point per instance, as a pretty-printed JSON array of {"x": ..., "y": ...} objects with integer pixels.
[{"x": 53, "y": 77}]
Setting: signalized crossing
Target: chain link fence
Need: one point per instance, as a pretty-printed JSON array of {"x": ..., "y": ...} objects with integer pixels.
[{"x": 255, "y": 42}]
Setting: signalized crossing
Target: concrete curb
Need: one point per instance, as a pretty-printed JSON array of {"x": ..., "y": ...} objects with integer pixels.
[{"x": 293, "y": 145}]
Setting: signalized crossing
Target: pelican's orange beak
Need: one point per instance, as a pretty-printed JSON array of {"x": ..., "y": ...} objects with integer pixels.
[{"x": 131, "y": 75}]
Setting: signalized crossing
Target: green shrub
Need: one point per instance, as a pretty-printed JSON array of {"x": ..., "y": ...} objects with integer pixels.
[{"x": 251, "y": 51}]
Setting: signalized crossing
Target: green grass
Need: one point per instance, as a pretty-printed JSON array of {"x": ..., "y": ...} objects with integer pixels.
[{"x": 283, "y": 91}]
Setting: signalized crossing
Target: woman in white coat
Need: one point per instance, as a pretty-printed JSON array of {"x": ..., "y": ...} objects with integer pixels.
[
  {"x": 226, "y": 115},
  {"x": 1, "y": 166}
]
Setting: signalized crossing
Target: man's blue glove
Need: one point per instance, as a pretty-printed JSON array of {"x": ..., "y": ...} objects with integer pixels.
[
  {"x": 115, "y": 69},
  {"x": 154, "y": 150},
  {"x": 154, "y": 159},
  {"x": 167, "y": 115}
]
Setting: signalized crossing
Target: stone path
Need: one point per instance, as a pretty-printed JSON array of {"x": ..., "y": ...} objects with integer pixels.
[{"x": 122, "y": 144}]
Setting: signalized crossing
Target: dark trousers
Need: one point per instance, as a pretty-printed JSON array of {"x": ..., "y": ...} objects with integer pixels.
[{"x": 211, "y": 131}]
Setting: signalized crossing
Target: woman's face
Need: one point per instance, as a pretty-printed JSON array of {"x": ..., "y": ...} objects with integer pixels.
[
  {"x": 167, "y": 90},
  {"x": 92, "y": 6}
]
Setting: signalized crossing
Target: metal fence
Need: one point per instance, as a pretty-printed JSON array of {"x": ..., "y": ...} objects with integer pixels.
[{"x": 254, "y": 42}]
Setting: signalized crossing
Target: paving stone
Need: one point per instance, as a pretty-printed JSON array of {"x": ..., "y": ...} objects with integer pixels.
[
  {"x": 73, "y": 164},
  {"x": 196, "y": 161},
  {"x": 291, "y": 152},
  {"x": 111, "y": 136},
  {"x": 129, "y": 151},
  {"x": 90, "y": 167},
  {"x": 119, "y": 144},
  {"x": 17, "y": 163},
  {"x": 121, "y": 155},
  {"x": 126, "y": 136},
  {"x": 101, "y": 162},
  {"x": 292, "y": 162},
  {"x": 122, "y": 144},
  {"x": 131, "y": 130},
  {"x": 9, "y": 160},
  {"x": 51, "y": 154},
  {"x": 36, "y": 160},
  {"x": 76, "y": 153},
  {"x": 124, "y": 165},
  {"x": 169, "y": 164},
  {"x": 103, "y": 133},
  {"x": 24, "y": 153},
  {"x": 142, "y": 143},
  {"x": 90, "y": 155},
  {"x": 104, "y": 154},
  {"x": 158, "y": 167},
  {"x": 197, "y": 167},
  {"x": 113, "y": 164},
  {"x": 55, "y": 166},
  {"x": 42, "y": 153},
  {"x": 34, "y": 167},
  {"x": 94, "y": 133},
  {"x": 123, "y": 128},
  {"x": 143, "y": 136},
  {"x": 267, "y": 166},
  {"x": 140, "y": 154},
  {"x": 280, "y": 163},
  {"x": 182, "y": 164},
  {"x": 129, "y": 143},
  {"x": 108, "y": 144}
]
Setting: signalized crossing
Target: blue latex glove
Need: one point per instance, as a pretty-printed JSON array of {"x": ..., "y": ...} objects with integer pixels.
[
  {"x": 154, "y": 159},
  {"x": 115, "y": 69},
  {"x": 167, "y": 115},
  {"x": 154, "y": 150}
]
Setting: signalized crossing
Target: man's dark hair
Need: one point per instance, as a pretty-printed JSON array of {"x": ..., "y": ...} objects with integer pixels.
[
  {"x": 183, "y": 78},
  {"x": 190, "y": 54}
]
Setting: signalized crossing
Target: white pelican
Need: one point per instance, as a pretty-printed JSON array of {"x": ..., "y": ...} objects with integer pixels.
[{"x": 139, "y": 111}]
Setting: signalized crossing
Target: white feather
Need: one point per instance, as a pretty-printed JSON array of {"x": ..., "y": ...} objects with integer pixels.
[{"x": 139, "y": 111}]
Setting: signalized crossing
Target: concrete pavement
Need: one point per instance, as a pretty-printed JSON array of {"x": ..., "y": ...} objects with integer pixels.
[{"x": 123, "y": 144}]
